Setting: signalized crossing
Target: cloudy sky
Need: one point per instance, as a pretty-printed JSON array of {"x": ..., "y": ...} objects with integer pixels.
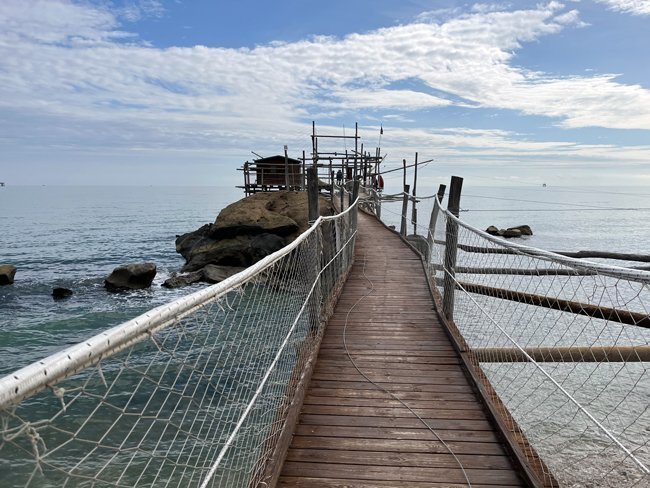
[{"x": 181, "y": 91}]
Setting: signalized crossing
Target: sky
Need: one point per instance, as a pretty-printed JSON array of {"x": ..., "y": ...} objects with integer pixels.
[{"x": 179, "y": 92}]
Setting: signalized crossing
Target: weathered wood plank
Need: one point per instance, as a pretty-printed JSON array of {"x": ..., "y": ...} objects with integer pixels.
[
  {"x": 321, "y": 482},
  {"x": 499, "y": 477}
]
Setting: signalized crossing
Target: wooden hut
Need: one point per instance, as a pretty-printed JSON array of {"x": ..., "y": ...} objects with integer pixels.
[{"x": 272, "y": 173}]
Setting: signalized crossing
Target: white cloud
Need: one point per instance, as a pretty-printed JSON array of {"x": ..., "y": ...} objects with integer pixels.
[
  {"x": 635, "y": 7},
  {"x": 68, "y": 77}
]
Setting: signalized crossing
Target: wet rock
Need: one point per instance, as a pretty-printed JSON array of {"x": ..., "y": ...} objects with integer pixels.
[
  {"x": 524, "y": 229},
  {"x": 215, "y": 274},
  {"x": 176, "y": 281},
  {"x": 7, "y": 273},
  {"x": 510, "y": 233},
  {"x": 521, "y": 230},
  {"x": 60, "y": 293},
  {"x": 134, "y": 276}
]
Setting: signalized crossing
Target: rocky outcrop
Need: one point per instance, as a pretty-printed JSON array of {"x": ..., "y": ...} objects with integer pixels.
[
  {"x": 131, "y": 277},
  {"x": 7, "y": 274},
  {"x": 521, "y": 230},
  {"x": 248, "y": 230},
  {"x": 176, "y": 281}
]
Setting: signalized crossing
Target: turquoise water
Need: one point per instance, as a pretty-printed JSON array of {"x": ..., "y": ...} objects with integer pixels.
[{"x": 73, "y": 237}]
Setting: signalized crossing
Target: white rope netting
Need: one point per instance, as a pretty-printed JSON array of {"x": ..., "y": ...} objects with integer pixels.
[
  {"x": 563, "y": 343},
  {"x": 193, "y": 393}
]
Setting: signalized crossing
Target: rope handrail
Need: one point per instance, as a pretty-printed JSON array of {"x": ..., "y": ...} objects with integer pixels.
[
  {"x": 193, "y": 392},
  {"x": 32, "y": 378}
]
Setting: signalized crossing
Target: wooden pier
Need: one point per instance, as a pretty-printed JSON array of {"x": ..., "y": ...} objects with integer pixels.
[{"x": 353, "y": 430}]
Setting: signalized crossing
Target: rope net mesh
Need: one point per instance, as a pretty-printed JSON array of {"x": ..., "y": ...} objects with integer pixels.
[
  {"x": 198, "y": 399},
  {"x": 561, "y": 344}
]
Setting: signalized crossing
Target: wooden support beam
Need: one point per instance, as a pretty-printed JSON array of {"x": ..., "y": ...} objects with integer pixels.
[
  {"x": 312, "y": 193},
  {"x": 405, "y": 207},
  {"x": 571, "y": 354},
  {"x": 598, "y": 312}
]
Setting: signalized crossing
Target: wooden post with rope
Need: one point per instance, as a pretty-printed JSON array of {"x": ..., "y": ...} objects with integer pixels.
[
  {"x": 405, "y": 207},
  {"x": 312, "y": 193},
  {"x": 434, "y": 219},
  {"x": 451, "y": 231}
]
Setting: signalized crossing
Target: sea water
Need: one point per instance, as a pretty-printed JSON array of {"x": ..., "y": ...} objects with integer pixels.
[{"x": 74, "y": 236}]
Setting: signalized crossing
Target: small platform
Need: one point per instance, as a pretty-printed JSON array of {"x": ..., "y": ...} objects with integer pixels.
[{"x": 353, "y": 434}]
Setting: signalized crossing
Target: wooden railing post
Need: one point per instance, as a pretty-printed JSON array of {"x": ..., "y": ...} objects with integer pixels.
[
  {"x": 355, "y": 191},
  {"x": 434, "y": 219},
  {"x": 405, "y": 208},
  {"x": 451, "y": 239},
  {"x": 377, "y": 204},
  {"x": 312, "y": 193}
]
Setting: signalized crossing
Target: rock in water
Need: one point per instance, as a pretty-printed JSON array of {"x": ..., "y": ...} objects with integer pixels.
[
  {"x": 131, "y": 277},
  {"x": 492, "y": 230},
  {"x": 7, "y": 273},
  {"x": 183, "y": 280},
  {"x": 216, "y": 274},
  {"x": 511, "y": 233},
  {"x": 59, "y": 293},
  {"x": 524, "y": 229}
]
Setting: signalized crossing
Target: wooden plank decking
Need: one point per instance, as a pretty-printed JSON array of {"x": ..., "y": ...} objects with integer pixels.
[{"x": 353, "y": 434}]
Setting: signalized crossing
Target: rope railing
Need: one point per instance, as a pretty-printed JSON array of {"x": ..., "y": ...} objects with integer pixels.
[
  {"x": 192, "y": 393},
  {"x": 561, "y": 345}
]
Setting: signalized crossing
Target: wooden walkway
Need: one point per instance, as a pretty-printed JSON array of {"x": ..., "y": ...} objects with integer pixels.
[{"x": 353, "y": 434}]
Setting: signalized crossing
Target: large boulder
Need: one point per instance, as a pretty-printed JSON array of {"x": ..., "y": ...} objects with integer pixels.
[
  {"x": 131, "y": 277},
  {"x": 248, "y": 230},
  {"x": 7, "y": 273}
]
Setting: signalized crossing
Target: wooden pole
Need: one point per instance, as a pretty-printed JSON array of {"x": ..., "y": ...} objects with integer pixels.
[
  {"x": 312, "y": 193},
  {"x": 599, "y": 312},
  {"x": 451, "y": 230},
  {"x": 404, "y": 171},
  {"x": 569, "y": 354},
  {"x": 414, "y": 215},
  {"x": 355, "y": 192},
  {"x": 331, "y": 181},
  {"x": 377, "y": 203},
  {"x": 286, "y": 169},
  {"x": 434, "y": 219},
  {"x": 405, "y": 208},
  {"x": 303, "y": 185}
]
